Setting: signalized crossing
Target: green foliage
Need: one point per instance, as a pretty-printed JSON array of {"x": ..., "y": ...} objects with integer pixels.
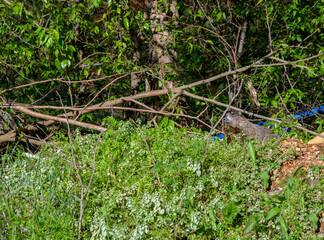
[
  {"x": 252, "y": 152},
  {"x": 224, "y": 200},
  {"x": 76, "y": 41}
]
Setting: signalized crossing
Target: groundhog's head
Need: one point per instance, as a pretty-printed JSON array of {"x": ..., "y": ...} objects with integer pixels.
[{"x": 231, "y": 116}]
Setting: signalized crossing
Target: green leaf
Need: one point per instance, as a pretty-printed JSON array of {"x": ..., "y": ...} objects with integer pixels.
[
  {"x": 71, "y": 49},
  {"x": 38, "y": 30},
  {"x": 231, "y": 211},
  {"x": 56, "y": 35},
  {"x": 314, "y": 220},
  {"x": 44, "y": 40},
  {"x": 59, "y": 43},
  {"x": 96, "y": 3},
  {"x": 265, "y": 178},
  {"x": 96, "y": 29},
  {"x": 251, "y": 151},
  {"x": 195, "y": 130},
  {"x": 296, "y": 171},
  {"x": 273, "y": 212},
  {"x": 274, "y": 103},
  {"x": 27, "y": 71},
  {"x": 283, "y": 227},
  {"x": 57, "y": 64},
  {"x": 210, "y": 42},
  {"x": 49, "y": 42},
  {"x": 41, "y": 34},
  {"x": 260, "y": 1},
  {"x": 190, "y": 195},
  {"x": 56, "y": 52},
  {"x": 146, "y": 26},
  {"x": 322, "y": 69},
  {"x": 320, "y": 127},
  {"x": 21, "y": 73},
  {"x": 65, "y": 63},
  {"x": 218, "y": 16},
  {"x": 252, "y": 222},
  {"x": 212, "y": 217},
  {"x": 86, "y": 73},
  {"x": 224, "y": 15},
  {"x": 17, "y": 10},
  {"x": 165, "y": 122},
  {"x": 286, "y": 98}
]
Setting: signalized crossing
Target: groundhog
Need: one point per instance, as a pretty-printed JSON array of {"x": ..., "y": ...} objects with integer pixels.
[{"x": 234, "y": 123}]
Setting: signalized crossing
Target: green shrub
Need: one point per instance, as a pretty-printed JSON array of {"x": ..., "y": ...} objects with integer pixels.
[{"x": 226, "y": 200}]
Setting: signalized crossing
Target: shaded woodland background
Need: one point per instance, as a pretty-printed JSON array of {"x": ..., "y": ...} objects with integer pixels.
[{"x": 142, "y": 59}]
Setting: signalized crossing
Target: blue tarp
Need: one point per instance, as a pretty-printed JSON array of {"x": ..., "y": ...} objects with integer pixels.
[{"x": 299, "y": 116}]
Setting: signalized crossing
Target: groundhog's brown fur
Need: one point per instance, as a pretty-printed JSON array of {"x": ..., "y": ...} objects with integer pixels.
[{"x": 234, "y": 123}]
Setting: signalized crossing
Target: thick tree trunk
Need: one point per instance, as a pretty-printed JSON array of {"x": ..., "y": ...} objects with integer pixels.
[{"x": 160, "y": 50}]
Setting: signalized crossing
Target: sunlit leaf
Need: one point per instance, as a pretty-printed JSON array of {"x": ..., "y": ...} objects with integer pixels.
[
  {"x": 314, "y": 220},
  {"x": 273, "y": 213}
]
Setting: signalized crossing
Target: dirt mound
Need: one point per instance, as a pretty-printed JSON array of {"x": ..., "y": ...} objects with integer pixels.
[{"x": 306, "y": 156}]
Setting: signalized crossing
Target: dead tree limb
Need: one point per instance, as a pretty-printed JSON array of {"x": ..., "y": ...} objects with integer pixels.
[
  {"x": 31, "y": 127},
  {"x": 59, "y": 119},
  {"x": 246, "y": 112},
  {"x": 109, "y": 104}
]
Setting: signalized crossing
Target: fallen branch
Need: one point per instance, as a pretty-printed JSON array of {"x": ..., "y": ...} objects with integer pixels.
[
  {"x": 246, "y": 112},
  {"x": 59, "y": 119},
  {"x": 109, "y": 104},
  {"x": 31, "y": 127}
]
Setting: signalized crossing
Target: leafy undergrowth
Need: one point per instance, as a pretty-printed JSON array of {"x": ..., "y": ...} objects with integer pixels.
[{"x": 228, "y": 199}]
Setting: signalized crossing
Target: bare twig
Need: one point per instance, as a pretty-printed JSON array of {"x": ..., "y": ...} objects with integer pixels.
[
  {"x": 217, "y": 96},
  {"x": 288, "y": 62},
  {"x": 300, "y": 66},
  {"x": 139, "y": 103},
  {"x": 242, "y": 39},
  {"x": 97, "y": 94},
  {"x": 269, "y": 28},
  {"x": 68, "y": 82},
  {"x": 94, "y": 164},
  {"x": 81, "y": 199},
  {"x": 179, "y": 209},
  {"x": 167, "y": 104},
  {"x": 33, "y": 83},
  {"x": 97, "y": 53}
]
